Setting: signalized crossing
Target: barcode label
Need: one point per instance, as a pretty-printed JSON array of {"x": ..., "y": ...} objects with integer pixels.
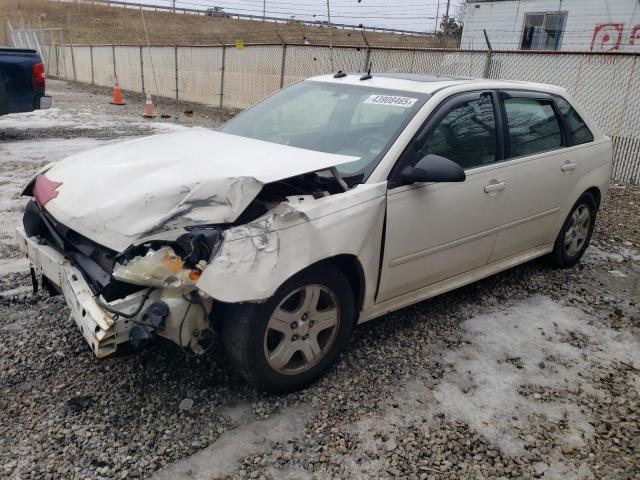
[{"x": 393, "y": 100}]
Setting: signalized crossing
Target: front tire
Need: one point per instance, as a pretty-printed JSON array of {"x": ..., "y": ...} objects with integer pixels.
[
  {"x": 292, "y": 339},
  {"x": 575, "y": 235}
]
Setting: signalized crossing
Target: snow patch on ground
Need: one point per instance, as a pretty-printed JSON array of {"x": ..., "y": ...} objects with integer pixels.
[
  {"x": 496, "y": 381},
  {"x": 537, "y": 342},
  {"x": 56, "y": 118},
  {"x": 595, "y": 255},
  {"x": 249, "y": 436}
]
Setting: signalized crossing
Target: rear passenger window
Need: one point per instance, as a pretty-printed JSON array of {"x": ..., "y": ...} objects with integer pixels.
[
  {"x": 578, "y": 131},
  {"x": 533, "y": 126},
  {"x": 466, "y": 135}
]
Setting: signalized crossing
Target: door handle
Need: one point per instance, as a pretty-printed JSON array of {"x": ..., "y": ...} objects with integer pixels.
[
  {"x": 568, "y": 166},
  {"x": 495, "y": 187}
]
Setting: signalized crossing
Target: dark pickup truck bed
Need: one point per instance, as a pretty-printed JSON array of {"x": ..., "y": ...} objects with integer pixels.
[{"x": 22, "y": 81}]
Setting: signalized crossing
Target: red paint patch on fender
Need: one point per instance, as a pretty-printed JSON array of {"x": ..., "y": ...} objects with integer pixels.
[{"x": 45, "y": 190}]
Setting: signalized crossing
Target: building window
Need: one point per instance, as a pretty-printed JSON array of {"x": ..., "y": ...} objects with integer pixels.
[{"x": 543, "y": 31}]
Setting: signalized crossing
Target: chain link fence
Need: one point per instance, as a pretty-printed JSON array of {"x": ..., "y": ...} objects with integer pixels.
[{"x": 606, "y": 85}]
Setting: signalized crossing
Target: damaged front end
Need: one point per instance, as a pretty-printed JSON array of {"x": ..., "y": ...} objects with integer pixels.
[
  {"x": 155, "y": 256},
  {"x": 148, "y": 290},
  {"x": 154, "y": 287}
]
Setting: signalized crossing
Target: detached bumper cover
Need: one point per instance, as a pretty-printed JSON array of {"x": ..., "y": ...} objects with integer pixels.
[{"x": 98, "y": 327}]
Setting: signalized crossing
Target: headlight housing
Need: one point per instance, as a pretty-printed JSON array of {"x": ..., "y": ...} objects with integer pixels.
[{"x": 163, "y": 267}]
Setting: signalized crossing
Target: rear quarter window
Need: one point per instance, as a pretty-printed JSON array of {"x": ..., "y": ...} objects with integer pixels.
[{"x": 578, "y": 131}]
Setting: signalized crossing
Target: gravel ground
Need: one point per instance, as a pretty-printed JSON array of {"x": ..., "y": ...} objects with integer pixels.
[{"x": 530, "y": 373}]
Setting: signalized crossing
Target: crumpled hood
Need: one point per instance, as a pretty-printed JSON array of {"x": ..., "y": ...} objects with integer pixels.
[{"x": 120, "y": 193}]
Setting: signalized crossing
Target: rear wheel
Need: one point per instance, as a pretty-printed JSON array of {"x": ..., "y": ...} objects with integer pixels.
[
  {"x": 292, "y": 339},
  {"x": 575, "y": 235}
]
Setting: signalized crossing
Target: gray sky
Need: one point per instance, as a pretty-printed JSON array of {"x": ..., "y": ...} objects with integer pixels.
[{"x": 405, "y": 14}]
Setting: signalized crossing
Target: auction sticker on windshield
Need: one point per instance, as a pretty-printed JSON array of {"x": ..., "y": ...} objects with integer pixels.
[{"x": 392, "y": 100}]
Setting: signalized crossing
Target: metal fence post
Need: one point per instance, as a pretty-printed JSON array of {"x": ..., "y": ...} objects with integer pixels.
[
  {"x": 224, "y": 51},
  {"x": 142, "y": 69},
  {"x": 93, "y": 80},
  {"x": 113, "y": 54},
  {"x": 57, "y": 60},
  {"x": 487, "y": 65},
  {"x": 282, "y": 66},
  {"x": 175, "y": 58},
  {"x": 73, "y": 64}
]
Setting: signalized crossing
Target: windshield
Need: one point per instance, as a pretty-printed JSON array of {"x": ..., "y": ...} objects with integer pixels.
[{"x": 349, "y": 120}]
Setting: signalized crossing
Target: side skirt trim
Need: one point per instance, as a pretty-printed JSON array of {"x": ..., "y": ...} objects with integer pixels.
[{"x": 452, "y": 283}]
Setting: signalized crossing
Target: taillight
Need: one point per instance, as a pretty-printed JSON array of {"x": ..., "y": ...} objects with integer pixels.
[{"x": 37, "y": 71}]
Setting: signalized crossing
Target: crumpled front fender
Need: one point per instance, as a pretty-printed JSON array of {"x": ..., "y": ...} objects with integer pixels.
[{"x": 256, "y": 258}]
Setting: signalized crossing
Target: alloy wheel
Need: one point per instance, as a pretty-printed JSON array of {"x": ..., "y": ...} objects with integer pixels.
[
  {"x": 302, "y": 329},
  {"x": 577, "y": 231}
]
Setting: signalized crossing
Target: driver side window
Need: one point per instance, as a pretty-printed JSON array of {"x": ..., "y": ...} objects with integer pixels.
[{"x": 467, "y": 135}]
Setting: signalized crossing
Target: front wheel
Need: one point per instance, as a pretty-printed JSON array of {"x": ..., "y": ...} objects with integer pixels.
[
  {"x": 291, "y": 340},
  {"x": 575, "y": 235}
]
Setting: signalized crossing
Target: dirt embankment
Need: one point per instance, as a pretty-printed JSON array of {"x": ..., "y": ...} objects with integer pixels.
[{"x": 96, "y": 24}]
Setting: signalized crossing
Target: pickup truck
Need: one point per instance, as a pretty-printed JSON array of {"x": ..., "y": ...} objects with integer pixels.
[{"x": 22, "y": 81}]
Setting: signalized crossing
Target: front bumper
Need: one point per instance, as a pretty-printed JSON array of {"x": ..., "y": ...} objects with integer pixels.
[{"x": 99, "y": 328}]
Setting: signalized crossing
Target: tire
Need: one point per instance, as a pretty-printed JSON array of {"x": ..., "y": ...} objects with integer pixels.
[
  {"x": 258, "y": 338},
  {"x": 568, "y": 251}
]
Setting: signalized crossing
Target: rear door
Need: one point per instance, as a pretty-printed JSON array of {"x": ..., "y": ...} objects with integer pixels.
[{"x": 542, "y": 171}]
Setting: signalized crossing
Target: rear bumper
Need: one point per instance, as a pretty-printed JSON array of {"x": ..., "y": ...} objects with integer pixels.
[
  {"x": 43, "y": 102},
  {"x": 102, "y": 332}
]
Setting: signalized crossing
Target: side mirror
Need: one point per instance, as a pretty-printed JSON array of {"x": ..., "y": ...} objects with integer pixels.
[{"x": 433, "y": 168}]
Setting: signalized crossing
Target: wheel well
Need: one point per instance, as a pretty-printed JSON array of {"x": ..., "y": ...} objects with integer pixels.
[
  {"x": 595, "y": 191},
  {"x": 350, "y": 266}
]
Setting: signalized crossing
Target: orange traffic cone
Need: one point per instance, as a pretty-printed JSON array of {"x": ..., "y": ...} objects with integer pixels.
[
  {"x": 148, "y": 108},
  {"x": 117, "y": 94}
]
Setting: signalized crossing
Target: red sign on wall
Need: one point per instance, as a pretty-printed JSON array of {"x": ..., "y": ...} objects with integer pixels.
[{"x": 607, "y": 37}]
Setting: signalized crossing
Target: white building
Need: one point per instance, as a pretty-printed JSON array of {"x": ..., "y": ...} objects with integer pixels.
[{"x": 567, "y": 25}]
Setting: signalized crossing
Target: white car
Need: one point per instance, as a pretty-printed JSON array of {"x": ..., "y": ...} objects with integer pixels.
[{"x": 330, "y": 203}]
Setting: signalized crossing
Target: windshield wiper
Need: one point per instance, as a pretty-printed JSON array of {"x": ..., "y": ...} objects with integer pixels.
[{"x": 339, "y": 179}]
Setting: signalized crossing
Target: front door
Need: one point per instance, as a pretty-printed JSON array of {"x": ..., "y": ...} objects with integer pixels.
[{"x": 438, "y": 230}]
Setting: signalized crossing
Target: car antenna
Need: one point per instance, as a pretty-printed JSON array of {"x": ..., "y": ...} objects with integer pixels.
[
  {"x": 367, "y": 76},
  {"x": 340, "y": 74}
]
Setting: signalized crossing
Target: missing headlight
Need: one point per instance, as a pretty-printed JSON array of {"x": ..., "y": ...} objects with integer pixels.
[
  {"x": 175, "y": 266},
  {"x": 199, "y": 244}
]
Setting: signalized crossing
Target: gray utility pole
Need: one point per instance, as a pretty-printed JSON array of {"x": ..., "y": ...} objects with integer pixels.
[
  {"x": 174, "y": 6},
  {"x": 435, "y": 29},
  {"x": 330, "y": 36},
  {"x": 264, "y": 10},
  {"x": 446, "y": 25}
]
